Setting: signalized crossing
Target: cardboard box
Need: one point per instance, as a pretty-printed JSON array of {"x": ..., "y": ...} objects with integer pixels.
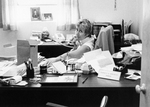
[{"x": 27, "y": 49}]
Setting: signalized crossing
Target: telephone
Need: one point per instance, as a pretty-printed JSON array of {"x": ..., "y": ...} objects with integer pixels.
[{"x": 59, "y": 36}]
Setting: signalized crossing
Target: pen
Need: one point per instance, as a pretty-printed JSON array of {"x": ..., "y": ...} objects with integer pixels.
[{"x": 84, "y": 80}]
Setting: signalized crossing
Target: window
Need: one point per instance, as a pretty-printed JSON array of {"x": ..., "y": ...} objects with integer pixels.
[
  {"x": 0, "y": 14},
  {"x": 8, "y": 8},
  {"x": 37, "y": 2},
  {"x": 64, "y": 12}
]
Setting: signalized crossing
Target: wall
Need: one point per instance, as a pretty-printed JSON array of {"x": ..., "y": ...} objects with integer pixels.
[
  {"x": 7, "y": 37},
  {"x": 94, "y": 10},
  {"x": 26, "y": 26},
  {"x": 140, "y": 18},
  {"x": 103, "y": 10}
]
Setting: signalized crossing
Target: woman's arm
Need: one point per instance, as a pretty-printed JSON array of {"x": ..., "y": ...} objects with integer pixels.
[{"x": 78, "y": 53}]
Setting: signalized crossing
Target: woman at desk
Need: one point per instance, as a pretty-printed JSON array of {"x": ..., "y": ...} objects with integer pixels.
[{"x": 83, "y": 42}]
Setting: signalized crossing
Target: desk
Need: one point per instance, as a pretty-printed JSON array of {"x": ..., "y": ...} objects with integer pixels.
[
  {"x": 53, "y": 49},
  {"x": 121, "y": 94}
]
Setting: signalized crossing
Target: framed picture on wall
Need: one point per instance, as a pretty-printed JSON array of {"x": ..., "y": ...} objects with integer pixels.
[
  {"x": 47, "y": 17},
  {"x": 35, "y": 14}
]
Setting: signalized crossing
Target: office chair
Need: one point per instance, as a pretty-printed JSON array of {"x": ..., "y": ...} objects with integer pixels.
[
  {"x": 49, "y": 104},
  {"x": 105, "y": 39},
  {"x": 102, "y": 104},
  {"x": 104, "y": 101}
]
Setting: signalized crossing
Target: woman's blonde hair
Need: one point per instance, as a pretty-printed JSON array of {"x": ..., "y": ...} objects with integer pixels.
[{"x": 85, "y": 25}]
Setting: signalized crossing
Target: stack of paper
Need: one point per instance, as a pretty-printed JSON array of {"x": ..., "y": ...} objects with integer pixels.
[
  {"x": 9, "y": 68},
  {"x": 59, "y": 67},
  {"x": 137, "y": 47},
  {"x": 100, "y": 60},
  {"x": 103, "y": 64}
]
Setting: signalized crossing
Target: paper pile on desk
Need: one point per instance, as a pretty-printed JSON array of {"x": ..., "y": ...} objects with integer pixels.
[
  {"x": 9, "y": 68},
  {"x": 103, "y": 64},
  {"x": 100, "y": 60},
  {"x": 8, "y": 51},
  {"x": 137, "y": 47},
  {"x": 27, "y": 49},
  {"x": 59, "y": 67}
]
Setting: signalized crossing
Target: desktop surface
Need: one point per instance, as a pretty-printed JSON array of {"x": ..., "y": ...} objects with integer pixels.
[
  {"x": 87, "y": 94},
  {"x": 92, "y": 81},
  {"x": 53, "y": 49}
]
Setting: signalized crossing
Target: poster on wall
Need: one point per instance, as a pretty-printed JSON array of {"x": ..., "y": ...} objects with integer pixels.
[
  {"x": 35, "y": 14},
  {"x": 47, "y": 17}
]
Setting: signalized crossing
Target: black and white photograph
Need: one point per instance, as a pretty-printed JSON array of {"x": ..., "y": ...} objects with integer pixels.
[
  {"x": 74, "y": 53},
  {"x": 47, "y": 17},
  {"x": 35, "y": 14}
]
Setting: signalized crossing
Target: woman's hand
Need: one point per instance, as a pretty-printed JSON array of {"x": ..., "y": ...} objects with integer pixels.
[
  {"x": 74, "y": 39},
  {"x": 48, "y": 62}
]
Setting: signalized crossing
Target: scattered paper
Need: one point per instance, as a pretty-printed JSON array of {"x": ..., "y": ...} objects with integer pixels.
[
  {"x": 137, "y": 47},
  {"x": 22, "y": 83},
  {"x": 59, "y": 66},
  {"x": 58, "y": 79},
  {"x": 9, "y": 68},
  {"x": 88, "y": 56},
  {"x": 104, "y": 62},
  {"x": 113, "y": 75},
  {"x": 133, "y": 77},
  {"x": 100, "y": 60}
]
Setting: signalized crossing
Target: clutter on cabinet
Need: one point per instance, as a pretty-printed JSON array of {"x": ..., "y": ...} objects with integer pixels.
[
  {"x": 45, "y": 35},
  {"x": 60, "y": 37},
  {"x": 36, "y": 35},
  {"x": 133, "y": 74}
]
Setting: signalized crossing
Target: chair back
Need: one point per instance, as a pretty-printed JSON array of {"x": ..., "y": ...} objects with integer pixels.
[
  {"x": 104, "y": 101},
  {"x": 102, "y": 104},
  {"x": 49, "y": 104},
  {"x": 105, "y": 39}
]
